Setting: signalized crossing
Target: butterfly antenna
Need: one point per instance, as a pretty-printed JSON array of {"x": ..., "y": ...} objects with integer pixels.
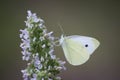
[{"x": 61, "y": 28}]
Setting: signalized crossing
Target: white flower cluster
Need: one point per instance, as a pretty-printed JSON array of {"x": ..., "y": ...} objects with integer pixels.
[{"x": 37, "y": 48}]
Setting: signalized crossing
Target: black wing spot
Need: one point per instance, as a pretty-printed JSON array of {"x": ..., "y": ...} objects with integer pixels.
[{"x": 86, "y": 45}]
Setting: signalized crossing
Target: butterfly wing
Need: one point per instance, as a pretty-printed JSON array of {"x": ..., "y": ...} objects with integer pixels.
[
  {"x": 75, "y": 50},
  {"x": 89, "y": 43}
]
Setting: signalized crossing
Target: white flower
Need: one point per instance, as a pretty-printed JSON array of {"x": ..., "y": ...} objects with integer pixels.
[
  {"x": 58, "y": 67},
  {"x": 42, "y": 78},
  {"x": 42, "y": 38},
  {"x": 43, "y": 46},
  {"x": 58, "y": 78},
  {"x": 42, "y": 59},
  {"x": 34, "y": 39},
  {"x": 49, "y": 67}
]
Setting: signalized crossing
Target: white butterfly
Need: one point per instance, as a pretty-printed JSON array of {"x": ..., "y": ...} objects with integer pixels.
[{"x": 77, "y": 49}]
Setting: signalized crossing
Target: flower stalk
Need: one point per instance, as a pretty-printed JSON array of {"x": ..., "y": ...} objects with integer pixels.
[{"x": 38, "y": 50}]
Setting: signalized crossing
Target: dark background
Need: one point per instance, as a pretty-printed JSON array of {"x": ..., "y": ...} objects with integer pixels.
[{"x": 97, "y": 18}]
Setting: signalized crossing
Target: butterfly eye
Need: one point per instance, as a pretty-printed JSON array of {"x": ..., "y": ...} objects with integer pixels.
[{"x": 86, "y": 45}]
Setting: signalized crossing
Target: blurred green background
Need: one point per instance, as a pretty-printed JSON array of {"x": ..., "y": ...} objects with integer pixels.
[{"x": 97, "y": 18}]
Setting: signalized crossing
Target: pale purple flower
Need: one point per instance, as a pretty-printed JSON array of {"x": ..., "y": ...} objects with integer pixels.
[
  {"x": 24, "y": 34},
  {"x": 41, "y": 25},
  {"x": 53, "y": 56},
  {"x": 44, "y": 32},
  {"x": 37, "y": 62},
  {"x": 26, "y": 55},
  {"x": 29, "y": 14},
  {"x": 35, "y": 40},
  {"x": 34, "y": 77},
  {"x": 25, "y": 39},
  {"x": 50, "y": 33},
  {"x": 49, "y": 36},
  {"x": 33, "y": 17},
  {"x": 25, "y": 74},
  {"x": 51, "y": 52},
  {"x": 62, "y": 64},
  {"x": 25, "y": 44},
  {"x": 50, "y": 79},
  {"x": 28, "y": 24}
]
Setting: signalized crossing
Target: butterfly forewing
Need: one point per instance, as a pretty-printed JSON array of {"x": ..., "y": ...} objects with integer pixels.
[{"x": 75, "y": 52}]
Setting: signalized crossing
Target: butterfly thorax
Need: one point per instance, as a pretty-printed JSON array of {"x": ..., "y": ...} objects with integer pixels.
[{"x": 61, "y": 39}]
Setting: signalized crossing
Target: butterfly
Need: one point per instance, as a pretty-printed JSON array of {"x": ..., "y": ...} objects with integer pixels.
[{"x": 77, "y": 49}]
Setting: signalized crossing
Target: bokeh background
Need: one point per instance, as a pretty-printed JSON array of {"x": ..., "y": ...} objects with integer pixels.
[{"x": 95, "y": 18}]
